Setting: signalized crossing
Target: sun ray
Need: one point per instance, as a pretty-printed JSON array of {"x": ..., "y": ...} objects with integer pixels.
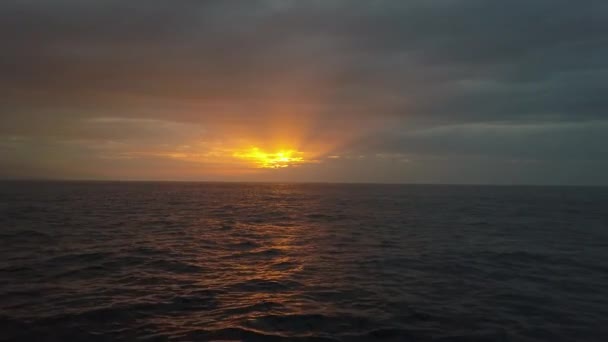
[{"x": 271, "y": 160}]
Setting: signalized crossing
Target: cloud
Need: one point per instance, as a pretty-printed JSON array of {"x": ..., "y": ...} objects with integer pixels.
[
  {"x": 523, "y": 79},
  {"x": 557, "y": 141}
]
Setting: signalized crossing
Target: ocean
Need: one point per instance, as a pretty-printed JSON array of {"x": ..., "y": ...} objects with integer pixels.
[{"x": 163, "y": 261}]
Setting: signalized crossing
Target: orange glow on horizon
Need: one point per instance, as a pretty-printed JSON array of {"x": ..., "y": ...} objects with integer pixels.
[{"x": 271, "y": 160}]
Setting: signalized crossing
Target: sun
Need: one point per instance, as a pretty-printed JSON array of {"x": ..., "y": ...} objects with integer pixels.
[{"x": 271, "y": 160}]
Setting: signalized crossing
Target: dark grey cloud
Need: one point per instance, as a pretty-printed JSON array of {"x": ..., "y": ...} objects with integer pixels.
[{"x": 523, "y": 79}]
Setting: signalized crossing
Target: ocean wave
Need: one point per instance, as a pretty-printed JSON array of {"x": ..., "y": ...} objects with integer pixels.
[
  {"x": 241, "y": 334},
  {"x": 264, "y": 285},
  {"x": 302, "y": 263},
  {"x": 308, "y": 323}
]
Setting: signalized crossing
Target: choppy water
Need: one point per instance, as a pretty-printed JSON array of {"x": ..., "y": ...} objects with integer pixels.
[{"x": 271, "y": 262}]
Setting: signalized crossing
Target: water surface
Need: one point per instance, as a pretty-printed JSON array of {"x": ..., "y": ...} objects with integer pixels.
[{"x": 272, "y": 262}]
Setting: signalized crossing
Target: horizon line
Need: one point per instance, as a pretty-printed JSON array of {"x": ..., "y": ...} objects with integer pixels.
[{"x": 88, "y": 180}]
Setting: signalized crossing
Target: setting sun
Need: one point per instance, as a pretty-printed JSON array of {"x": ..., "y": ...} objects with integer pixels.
[{"x": 271, "y": 160}]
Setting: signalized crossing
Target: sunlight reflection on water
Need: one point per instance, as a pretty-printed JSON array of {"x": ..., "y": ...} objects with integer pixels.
[{"x": 183, "y": 261}]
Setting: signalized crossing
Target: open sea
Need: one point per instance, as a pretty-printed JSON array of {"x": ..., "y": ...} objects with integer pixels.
[{"x": 127, "y": 261}]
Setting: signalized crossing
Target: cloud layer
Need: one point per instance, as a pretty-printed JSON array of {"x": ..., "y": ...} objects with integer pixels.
[{"x": 463, "y": 91}]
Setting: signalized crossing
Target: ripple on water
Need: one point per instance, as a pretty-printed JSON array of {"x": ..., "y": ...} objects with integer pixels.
[
  {"x": 309, "y": 323},
  {"x": 284, "y": 262},
  {"x": 264, "y": 285}
]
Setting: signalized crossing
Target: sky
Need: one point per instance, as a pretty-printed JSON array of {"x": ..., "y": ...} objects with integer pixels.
[{"x": 419, "y": 91}]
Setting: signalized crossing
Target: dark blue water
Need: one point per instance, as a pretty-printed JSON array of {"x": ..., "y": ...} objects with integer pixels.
[{"x": 273, "y": 262}]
